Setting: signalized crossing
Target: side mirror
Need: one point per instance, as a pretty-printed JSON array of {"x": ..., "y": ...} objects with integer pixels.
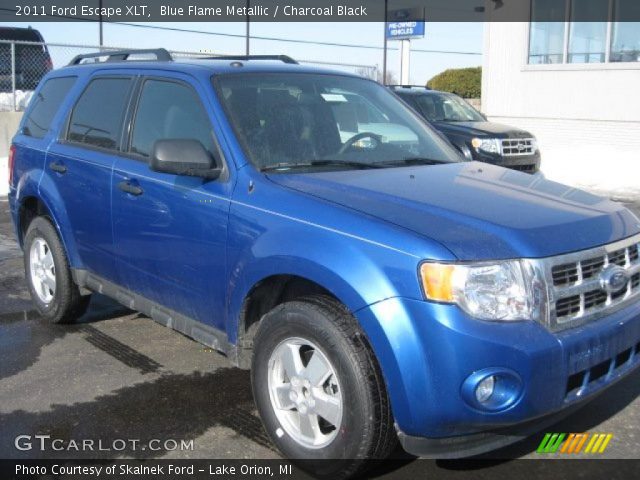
[{"x": 183, "y": 157}]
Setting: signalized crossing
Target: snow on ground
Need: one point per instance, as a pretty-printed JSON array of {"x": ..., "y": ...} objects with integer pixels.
[
  {"x": 22, "y": 100},
  {"x": 613, "y": 172}
]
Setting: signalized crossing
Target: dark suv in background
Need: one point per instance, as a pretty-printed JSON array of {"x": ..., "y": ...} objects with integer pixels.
[
  {"x": 32, "y": 59},
  {"x": 470, "y": 132}
]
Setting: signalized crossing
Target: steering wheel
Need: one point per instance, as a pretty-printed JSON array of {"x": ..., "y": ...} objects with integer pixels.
[{"x": 359, "y": 136}]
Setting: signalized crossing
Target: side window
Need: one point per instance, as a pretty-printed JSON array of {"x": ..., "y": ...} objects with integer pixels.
[
  {"x": 97, "y": 117},
  {"x": 169, "y": 110},
  {"x": 45, "y": 105}
]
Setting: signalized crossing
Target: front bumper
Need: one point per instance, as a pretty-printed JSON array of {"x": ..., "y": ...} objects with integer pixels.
[
  {"x": 428, "y": 350},
  {"x": 522, "y": 163},
  {"x": 477, "y": 443}
]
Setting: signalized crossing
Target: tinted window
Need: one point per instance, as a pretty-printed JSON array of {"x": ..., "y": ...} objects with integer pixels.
[
  {"x": 169, "y": 110},
  {"x": 97, "y": 117},
  {"x": 438, "y": 107},
  {"x": 45, "y": 105},
  {"x": 21, "y": 34}
]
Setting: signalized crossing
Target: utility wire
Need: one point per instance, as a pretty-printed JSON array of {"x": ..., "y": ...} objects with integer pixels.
[{"x": 287, "y": 40}]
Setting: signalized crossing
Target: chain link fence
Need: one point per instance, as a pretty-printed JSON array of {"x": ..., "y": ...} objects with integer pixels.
[{"x": 23, "y": 64}]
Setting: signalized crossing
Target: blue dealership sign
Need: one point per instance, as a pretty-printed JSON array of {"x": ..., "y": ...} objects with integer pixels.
[{"x": 405, "y": 23}]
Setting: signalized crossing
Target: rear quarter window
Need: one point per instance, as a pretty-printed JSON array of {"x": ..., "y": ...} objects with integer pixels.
[
  {"x": 45, "y": 104},
  {"x": 96, "y": 119}
]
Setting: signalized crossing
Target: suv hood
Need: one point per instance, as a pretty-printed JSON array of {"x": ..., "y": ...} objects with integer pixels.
[
  {"x": 482, "y": 129},
  {"x": 478, "y": 211}
]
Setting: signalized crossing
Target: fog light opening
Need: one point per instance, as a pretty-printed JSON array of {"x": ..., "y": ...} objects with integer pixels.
[
  {"x": 492, "y": 389},
  {"x": 485, "y": 389}
]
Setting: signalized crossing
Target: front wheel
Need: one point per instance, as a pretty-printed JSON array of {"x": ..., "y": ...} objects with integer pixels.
[{"x": 319, "y": 389}]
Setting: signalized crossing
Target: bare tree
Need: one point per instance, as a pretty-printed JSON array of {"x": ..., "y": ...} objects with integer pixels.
[{"x": 376, "y": 74}]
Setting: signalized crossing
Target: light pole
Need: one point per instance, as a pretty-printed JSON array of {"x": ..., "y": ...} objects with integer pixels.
[
  {"x": 248, "y": 31},
  {"x": 384, "y": 50},
  {"x": 101, "y": 39}
]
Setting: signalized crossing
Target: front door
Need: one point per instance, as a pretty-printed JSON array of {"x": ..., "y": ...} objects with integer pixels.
[{"x": 170, "y": 231}]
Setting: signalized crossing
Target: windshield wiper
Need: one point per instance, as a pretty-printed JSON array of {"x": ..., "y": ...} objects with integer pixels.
[
  {"x": 319, "y": 163},
  {"x": 348, "y": 163},
  {"x": 412, "y": 161}
]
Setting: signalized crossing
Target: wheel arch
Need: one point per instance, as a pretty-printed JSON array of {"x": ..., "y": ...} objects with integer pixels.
[
  {"x": 47, "y": 200},
  {"x": 263, "y": 296}
]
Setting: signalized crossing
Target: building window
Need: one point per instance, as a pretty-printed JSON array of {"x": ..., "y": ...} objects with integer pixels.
[
  {"x": 566, "y": 31},
  {"x": 625, "y": 36},
  {"x": 546, "y": 40},
  {"x": 587, "y": 40}
]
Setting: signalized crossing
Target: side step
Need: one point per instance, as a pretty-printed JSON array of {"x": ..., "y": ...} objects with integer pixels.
[{"x": 198, "y": 331}]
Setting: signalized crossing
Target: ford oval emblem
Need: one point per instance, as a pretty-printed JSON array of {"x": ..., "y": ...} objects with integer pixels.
[{"x": 613, "y": 279}]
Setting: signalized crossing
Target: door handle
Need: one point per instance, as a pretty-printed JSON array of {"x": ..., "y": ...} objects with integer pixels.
[
  {"x": 131, "y": 189},
  {"x": 58, "y": 167}
]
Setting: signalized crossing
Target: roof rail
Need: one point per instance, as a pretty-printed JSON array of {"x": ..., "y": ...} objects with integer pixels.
[
  {"x": 122, "y": 55},
  {"x": 410, "y": 86},
  {"x": 282, "y": 58}
]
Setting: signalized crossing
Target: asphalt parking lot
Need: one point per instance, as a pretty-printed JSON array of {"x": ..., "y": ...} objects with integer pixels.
[{"x": 118, "y": 375}]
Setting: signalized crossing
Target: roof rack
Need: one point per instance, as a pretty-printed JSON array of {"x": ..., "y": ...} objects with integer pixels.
[
  {"x": 410, "y": 86},
  {"x": 282, "y": 58},
  {"x": 122, "y": 55}
]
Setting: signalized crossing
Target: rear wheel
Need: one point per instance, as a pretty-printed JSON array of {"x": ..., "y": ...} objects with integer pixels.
[
  {"x": 48, "y": 275},
  {"x": 318, "y": 388}
]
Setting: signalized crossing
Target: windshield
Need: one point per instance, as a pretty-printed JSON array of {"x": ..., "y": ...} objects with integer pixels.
[
  {"x": 319, "y": 122},
  {"x": 445, "y": 107}
]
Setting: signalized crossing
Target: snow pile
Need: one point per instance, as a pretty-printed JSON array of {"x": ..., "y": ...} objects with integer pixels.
[
  {"x": 22, "y": 100},
  {"x": 604, "y": 170}
]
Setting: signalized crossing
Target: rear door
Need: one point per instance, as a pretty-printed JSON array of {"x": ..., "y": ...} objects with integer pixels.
[
  {"x": 81, "y": 161},
  {"x": 170, "y": 233}
]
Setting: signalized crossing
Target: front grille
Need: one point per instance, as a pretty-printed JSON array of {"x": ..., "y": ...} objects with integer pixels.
[
  {"x": 527, "y": 168},
  {"x": 564, "y": 274},
  {"x": 569, "y": 272},
  {"x": 512, "y": 147},
  {"x": 576, "y": 290},
  {"x": 601, "y": 373}
]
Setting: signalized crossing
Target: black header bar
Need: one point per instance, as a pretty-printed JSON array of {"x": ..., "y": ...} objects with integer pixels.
[{"x": 29, "y": 11}]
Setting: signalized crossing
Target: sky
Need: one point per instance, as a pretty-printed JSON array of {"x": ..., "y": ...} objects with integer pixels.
[{"x": 458, "y": 37}]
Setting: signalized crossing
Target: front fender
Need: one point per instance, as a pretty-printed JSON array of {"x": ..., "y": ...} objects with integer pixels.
[
  {"x": 277, "y": 231},
  {"x": 358, "y": 275}
]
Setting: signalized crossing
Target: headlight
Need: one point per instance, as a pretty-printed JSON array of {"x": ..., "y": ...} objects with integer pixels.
[
  {"x": 503, "y": 290},
  {"x": 488, "y": 145},
  {"x": 534, "y": 145}
]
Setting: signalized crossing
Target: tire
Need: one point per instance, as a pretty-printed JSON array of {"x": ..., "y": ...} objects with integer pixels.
[
  {"x": 300, "y": 329},
  {"x": 55, "y": 295}
]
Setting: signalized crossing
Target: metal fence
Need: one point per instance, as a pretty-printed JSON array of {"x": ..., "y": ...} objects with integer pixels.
[{"x": 23, "y": 64}]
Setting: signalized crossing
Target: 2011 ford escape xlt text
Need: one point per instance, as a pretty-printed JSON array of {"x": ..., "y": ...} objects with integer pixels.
[{"x": 377, "y": 286}]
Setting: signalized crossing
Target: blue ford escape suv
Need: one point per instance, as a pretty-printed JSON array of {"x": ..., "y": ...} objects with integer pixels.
[{"x": 377, "y": 286}]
